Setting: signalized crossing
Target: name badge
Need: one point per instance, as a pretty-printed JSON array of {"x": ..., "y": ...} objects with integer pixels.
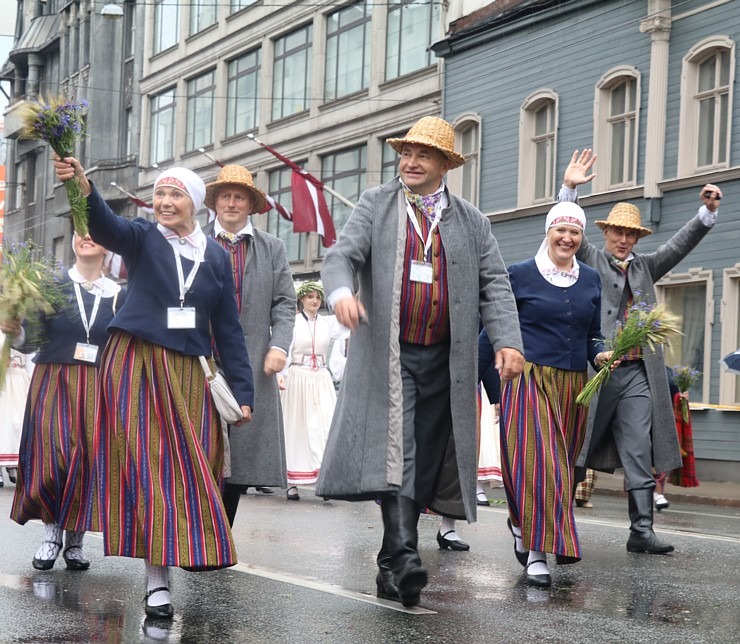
[
  {"x": 181, "y": 317},
  {"x": 421, "y": 272},
  {"x": 86, "y": 352}
]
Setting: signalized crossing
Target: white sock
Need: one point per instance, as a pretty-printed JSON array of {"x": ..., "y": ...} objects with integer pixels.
[
  {"x": 447, "y": 529},
  {"x": 519, "y": 544},
  {"x": 73, "y": 545},
  {"x": 538, "y": 568},
  {"x": 49, "y": 549},
  {"x": 480, "y": 489},
  {"x": 157, "y": 577}
]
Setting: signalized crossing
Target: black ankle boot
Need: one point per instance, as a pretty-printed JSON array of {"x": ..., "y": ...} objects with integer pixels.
[
  {"x": 400, "y": 519},
  {"x": 642, "y": 538},
  {"x": 386, "y": 580}
]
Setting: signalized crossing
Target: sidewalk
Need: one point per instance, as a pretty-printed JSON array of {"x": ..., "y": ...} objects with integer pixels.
[{"x": 708, "y": 493}]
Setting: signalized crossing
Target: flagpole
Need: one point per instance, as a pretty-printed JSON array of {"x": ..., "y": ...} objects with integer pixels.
[
  {"x": 331, "y": 191},
  {"x": 216, "y": 161},
  {"x": 126, "y": 192}
]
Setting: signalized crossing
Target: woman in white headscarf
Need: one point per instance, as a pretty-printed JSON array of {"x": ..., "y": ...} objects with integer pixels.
[
  {"x": 56, "y": 469},
  {"x": 160, "y": 452},
  {"x": 542, "y": 428}
]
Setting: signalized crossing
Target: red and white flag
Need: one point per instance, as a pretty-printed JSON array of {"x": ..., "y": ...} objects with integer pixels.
[
  {"x": 310, "y": 211},
  {"x": 282, "y": 210}
]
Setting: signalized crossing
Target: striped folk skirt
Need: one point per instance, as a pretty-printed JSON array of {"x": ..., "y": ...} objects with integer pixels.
[
  {"x": 160, "y": 458},
  {"x": 542, "y": 434},
  {"x": 55, "y": 464}
]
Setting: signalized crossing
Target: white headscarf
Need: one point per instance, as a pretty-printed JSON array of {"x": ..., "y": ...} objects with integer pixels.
[
  {"x": 187, "y": 181},
  {"x": 565, "y": 212}
]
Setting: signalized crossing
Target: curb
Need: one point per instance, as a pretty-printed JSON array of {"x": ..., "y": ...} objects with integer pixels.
[{"x": 679, "y": 498}]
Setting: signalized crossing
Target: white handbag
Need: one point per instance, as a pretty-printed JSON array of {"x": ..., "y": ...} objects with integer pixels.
[{"x": 227, "y": 406}]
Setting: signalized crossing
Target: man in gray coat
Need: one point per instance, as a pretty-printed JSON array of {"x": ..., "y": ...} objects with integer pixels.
[
  {"x": 404, "y": 428},
  {"x": 265, "y": 296},
  {"x": 631, "y": 422}
]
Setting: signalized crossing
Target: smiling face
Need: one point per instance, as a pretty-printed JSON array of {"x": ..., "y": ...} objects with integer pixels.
[
  {"x": 563, "y": 242},
  {"x": 620, "y": 241},
  {"x": 422, "y": 168},
  {"x": 234, "y": 204},
  {"x": 311, "y": 303},
  {"x": 85, "y": 247},
  {"x": 174, "y": 210}
]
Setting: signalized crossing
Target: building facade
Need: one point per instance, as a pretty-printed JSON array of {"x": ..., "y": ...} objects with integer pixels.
[{"x": 651, "y": 88}]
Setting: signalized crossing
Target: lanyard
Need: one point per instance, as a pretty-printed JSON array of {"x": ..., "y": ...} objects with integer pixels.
[
  {"x": 87, "y": 324},
  {"x": 314, "y": 359},
  {"x": 185, "y": 284},
  {"x": 415, "y": 223}
]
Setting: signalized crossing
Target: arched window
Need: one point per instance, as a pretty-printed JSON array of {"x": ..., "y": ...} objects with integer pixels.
[
  {"x": 465, "y": 181},
  {"x": 537, "y": 145}
]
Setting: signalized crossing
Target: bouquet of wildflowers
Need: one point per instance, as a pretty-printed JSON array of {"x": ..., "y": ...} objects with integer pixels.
[
  {"x": 685, "y": 378},
  {"x": 27, "y": 288},
  {"x": 647, "y": 326},
  {"x": 61, "y": 123}
]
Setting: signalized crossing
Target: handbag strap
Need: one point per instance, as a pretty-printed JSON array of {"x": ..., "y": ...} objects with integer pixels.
[{"x": 206, "y": 368}]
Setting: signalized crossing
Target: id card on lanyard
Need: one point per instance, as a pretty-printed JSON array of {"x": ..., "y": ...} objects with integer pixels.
[
  {"x": 84, "y": 351},
  {"x": 422, "y": 271},
  {"x": 182, "y": 317}
]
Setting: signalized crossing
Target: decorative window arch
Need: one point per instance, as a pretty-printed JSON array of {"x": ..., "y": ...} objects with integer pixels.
[
  {"x": 707, "y": 79},
  {"x": 538, "y": 126},
  {"x": 616, "y": 123},
  {"x": 465, "y": 181},
  {"x": 729, "y": 384}
]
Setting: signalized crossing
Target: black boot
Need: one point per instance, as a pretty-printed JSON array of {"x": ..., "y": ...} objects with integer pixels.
[
  {"x": 642, "y": 538},
  {"x": 386, "y": 580},
  {"x": 400, "y": 519},
  {"x": 230, "y": 497}
]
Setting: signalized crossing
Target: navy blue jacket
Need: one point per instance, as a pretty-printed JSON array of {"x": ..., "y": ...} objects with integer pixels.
[
  {"x": 153, "y": 288},
  {"x": 55, "y": 337},
  {"x": 561, "y": 326}
]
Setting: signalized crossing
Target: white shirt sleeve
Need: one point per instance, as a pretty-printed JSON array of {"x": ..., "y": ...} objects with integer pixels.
[
  {"x": 707, "y": 217},
  {"x": 338, "y": 294},
  {"x": 567, "y": 194}
]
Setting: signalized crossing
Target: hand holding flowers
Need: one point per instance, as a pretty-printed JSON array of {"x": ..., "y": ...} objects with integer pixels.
[{"x": 685, "y": 378}]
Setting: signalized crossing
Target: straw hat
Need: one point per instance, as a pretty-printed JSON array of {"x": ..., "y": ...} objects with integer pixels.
[
  {"x": 625, "y": 215},
  {"x": 433, "y": 132},
  {"x": 235, "y": 175}
]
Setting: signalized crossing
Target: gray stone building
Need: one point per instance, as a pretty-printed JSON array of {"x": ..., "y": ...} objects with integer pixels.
[
  {"x": 650, "y": 86},
  {"x": 69, "y": 48}
]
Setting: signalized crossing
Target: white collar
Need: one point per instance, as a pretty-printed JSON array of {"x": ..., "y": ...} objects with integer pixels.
[
  {"x": 247, "y": 230},
  {"x": 192, "y": 246},
  {"x": 106, "y": 287}
]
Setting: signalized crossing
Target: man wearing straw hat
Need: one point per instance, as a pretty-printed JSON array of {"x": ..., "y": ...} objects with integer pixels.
[
  {"x": 404, "y": 428},
  {"x": 265, "y": 296},
  {"x": 631, "y": 423}
]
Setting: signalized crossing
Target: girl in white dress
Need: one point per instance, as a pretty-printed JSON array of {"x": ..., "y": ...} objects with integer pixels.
[
  {"x": 309, "y": 396},
  {"x": 13, "y": 395}
]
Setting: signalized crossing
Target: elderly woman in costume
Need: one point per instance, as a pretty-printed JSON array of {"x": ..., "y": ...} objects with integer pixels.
[
  {"x": 56, "y": 469},
  {"x": 542, "y": 428},
  {"x": 309, "y": 396},
  {"x": 161, "y": 447}
]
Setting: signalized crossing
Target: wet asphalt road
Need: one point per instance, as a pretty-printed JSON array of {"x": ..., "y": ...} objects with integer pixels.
[{"x": 306, "y": 574}]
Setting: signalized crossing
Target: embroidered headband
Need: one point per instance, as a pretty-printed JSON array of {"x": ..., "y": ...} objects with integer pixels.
[
  {"x": 566, "y": 212},
  {"x": 186, "y": 181}
]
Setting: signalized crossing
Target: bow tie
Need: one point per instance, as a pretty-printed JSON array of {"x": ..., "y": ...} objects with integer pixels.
[
  {"x": 231, "y": 237},
  {"x": 426, "y": 205}
]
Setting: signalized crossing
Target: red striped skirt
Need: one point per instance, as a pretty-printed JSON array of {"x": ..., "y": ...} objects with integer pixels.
[
  {"x": 160, "y": 457},
  {"x": 542, "y": 434},
  {"x": 55, "y": 464}
]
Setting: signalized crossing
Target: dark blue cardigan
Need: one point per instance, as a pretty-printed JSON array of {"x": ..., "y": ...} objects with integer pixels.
[
  {"x": 56, "y": 336},
  {"x": 153, "y": 288},
  {"x": 561, "y": 326}
]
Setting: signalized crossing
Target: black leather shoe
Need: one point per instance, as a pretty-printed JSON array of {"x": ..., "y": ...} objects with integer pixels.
[
  {"x": 47, "y": 564},
  {"x": 293, "y": 496},
  {"x": 539, "y": 581},
  {"x": 482, "y": 500},
  {"x": 386, "y": 584},
  {"x": 75, "y": 564},
  {"x": 265, "y": 490},
  {"x": 12, "y": 474},
  {"x": 165, "y": 611},
  {"x": 410, "y": 585},
  {"x": 650, "y": 545},
  {"x": 452, "y": 544},
  {"x": 521, "y": 557}
]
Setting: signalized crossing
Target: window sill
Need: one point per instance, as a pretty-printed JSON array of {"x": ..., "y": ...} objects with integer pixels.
[
  {"x": 698, "y": 180},
  {"x": 286, "y": 120},
  {"x": 240, "y": 136},
  {"x": 202, "y": 32},
  {"x": 336, "y": 103},
  {"x": 236, "y": 14},
  {"x": 429, "y": 70}
]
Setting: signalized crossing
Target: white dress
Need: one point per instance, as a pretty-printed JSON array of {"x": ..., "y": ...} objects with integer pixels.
[
  {"x": 13, "y": 406},
  {"x": 489, "y": 459},
  {"x": 309, "y": 397}
]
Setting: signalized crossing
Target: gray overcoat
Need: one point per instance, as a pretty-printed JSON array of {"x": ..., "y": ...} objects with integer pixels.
[
  {"x": 267, "y": 317},
  {"x": 643, "y": 272},
  {"x": 364, "y": 453}
]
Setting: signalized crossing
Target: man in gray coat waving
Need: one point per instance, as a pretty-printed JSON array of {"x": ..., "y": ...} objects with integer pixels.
[
  {"x": 631, "y": 423},
  {"x": 265, "y": 296},
  {"x": 404, "y": 428}
]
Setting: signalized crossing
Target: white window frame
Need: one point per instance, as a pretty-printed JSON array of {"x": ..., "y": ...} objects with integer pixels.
[
  {"x": 602, "y": 125},
  {"x": 692, "y": 277},
  {"x": 729, "y": 384},
  {"x": 472, "y": 161},
  {"x": 526, "y": 185},
  {"x": 688, "y": 142}
]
